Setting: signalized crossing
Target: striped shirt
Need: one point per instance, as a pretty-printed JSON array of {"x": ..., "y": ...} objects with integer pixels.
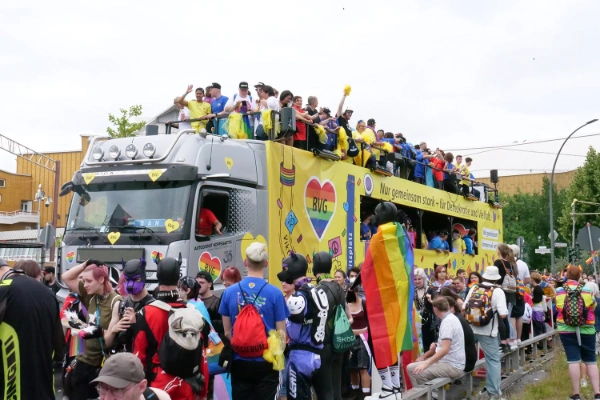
[{"x": 590, "y": 304}]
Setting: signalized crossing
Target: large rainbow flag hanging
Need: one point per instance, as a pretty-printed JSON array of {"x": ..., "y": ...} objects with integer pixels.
[{"x": 388, "y": 282}]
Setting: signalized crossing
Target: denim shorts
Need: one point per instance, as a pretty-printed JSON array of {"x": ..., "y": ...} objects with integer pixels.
[{"x": 576, "y": 353}]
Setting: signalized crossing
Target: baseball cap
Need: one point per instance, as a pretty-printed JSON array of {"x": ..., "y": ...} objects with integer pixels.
[
  {"x": 50, "y": 270},
  {"x": 326, "y": 111},
  {"x": 206, "y": 275},
  {"x": 243, "y": 85},
  {"x": 259, "y": 84},
  {"x": 3, "y": 263},
  {"x": 215, "y": 85},
  {"x": 121, "y": 370}
]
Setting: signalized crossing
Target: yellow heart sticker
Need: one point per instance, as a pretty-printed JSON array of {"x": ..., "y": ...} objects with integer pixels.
[
  {"x": 248, "y": 239},
  {"x": 155, "y": 174},
  {"x": 113, "y": 237},
  {"x": 228, "y": 162},
  {"x": 88, "y": 178},
  {"x": 171, "y": 225}
]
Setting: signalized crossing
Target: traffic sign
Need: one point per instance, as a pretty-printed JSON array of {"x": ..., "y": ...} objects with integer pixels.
[
  {"x": 520, "y": 241},
  {"x": 542, "y": 251},
  {"x": 555, "y": 235},
  {"x": 588, "y": 237},
  {"x": 559, "y": 244}
]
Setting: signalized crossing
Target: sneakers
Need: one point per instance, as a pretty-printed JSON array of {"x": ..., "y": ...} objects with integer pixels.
[
  {"x": 584, "y": 383},
  {"x": 505, "y": 348},
  {"x": 597, "y": 396},
  {"x": 518, "y": 342},
  {"x": 575, "y": 397},
  {"x": 513, "y": 346},
  {"x": 386, "y": 394}
]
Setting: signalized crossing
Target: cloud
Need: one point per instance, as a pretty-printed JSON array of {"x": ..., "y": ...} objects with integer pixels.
[{"x": 454, "y": 74}]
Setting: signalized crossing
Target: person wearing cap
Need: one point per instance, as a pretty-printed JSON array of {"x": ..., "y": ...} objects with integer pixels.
[
  {"x": 487, "y": 335},
  {"x": 254, "y": 377},
  {"x": 152, "y": 323},
  {"x": 267, "y": 101},
  {"x": 209, "y": 299},
  {"x": 329, "y": 122},
  {"x": 31, "y": 332},
  {"x": 422, "y": 163},
  {"x": 218, "y": 109},
  {"x": 344, "y": 117},
  {"x": 199, "y": 109},
  {"x": 306, "y": 328},
  {"x": 328, "y": 379},
  {"x": 122, "y": 377},
  {"x": 241, "y": 102},
  {"x": 91, "y": 280},
  {"x": 50, "y": 279}
]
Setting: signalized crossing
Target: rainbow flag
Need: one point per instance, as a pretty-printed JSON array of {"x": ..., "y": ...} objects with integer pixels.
[{"x": 387, "y": 277}]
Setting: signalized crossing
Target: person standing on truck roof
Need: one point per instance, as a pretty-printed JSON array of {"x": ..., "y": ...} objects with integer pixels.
[
  {"x": 30, "y": 332},
  {"x": 344, "y": 118},
  {"x": 242, "y": 101},
  {"x": 198, "y": 108},
  {"x": 207, "y": 222},
  {"x": 218, "y": 108},
  {"x": 99, "y": 298}
]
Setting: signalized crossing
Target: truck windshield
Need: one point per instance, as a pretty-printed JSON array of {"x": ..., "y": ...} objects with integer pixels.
[{"x": 130, "y": 206}]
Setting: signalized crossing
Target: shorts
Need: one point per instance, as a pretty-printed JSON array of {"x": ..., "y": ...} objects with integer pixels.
[
  {"x": 585, "y": 353},
  {"x": 518, "y": 309},
  {"x": 359, "y": 358}
]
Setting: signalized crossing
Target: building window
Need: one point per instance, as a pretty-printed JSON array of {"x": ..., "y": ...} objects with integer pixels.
[
  {"x": 0, "y": 198},
  {"x": 2, "y": 183}
]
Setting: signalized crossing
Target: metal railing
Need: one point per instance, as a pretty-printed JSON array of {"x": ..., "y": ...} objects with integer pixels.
[{"x": 18, "y": 213}]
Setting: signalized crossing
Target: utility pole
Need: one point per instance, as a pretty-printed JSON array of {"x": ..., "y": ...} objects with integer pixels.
[{"x": 573, "y": 218}]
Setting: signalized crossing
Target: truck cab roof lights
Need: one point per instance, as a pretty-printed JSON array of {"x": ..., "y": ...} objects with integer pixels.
[
  {"x": 131, "y": 151},
  {"x": 114, "y": 152},
  {"x": 97, "y": 153},
  {"x": 149, "y": 150},
  {"x": 216, "y": 176}
]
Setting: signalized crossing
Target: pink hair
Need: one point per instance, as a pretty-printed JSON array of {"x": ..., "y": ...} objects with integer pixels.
[
  {"x": 121, "y": 286},
  {"x": 231, "y": 274},
  {"x": 101, "y": 271}
]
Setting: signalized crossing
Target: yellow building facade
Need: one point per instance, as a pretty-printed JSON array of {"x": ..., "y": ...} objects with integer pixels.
[
  {"x": 529, "y": 183},
  {"x": 18, "y": 210}
]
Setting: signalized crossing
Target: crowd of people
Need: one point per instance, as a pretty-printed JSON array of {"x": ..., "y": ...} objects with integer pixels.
[
  {"x": 310, "y": 338},
  {"x": 244, "y": 117}
]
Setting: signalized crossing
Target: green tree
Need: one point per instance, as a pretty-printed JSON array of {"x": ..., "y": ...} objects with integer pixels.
[
  {"x": 527, "y": 215},
  {"x": 585, "y": 186},
  {"x": 123, "y": 127}
]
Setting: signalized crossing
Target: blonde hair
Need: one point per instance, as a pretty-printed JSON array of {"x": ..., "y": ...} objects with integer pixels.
[{"x": 256, "y": 253}]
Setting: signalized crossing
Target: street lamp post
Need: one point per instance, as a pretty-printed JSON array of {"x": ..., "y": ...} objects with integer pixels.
[
  {"x": 40, "y": 196},
  {"x": 552, "y": 189}
]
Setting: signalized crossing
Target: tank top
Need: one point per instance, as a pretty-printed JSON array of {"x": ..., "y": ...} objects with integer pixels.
[{"x": 359, "y": 320}]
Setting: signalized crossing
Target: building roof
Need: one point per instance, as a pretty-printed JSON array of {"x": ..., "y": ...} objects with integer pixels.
[{"x": 13, "y": 173}]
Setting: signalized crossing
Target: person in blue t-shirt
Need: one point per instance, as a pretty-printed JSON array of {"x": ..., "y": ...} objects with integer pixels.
[
  {"x": 470, "y": 241},
  {"x": 439, "y": 243},
  {"x": 254, "y": 377},
  {"x": 422, "y": 161},
  {"x": 218, "y": 110},
  {"x": 365, "y": 229},
  {"x": 306, "y": 326}
]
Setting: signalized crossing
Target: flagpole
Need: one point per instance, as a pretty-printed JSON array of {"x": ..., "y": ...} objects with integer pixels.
[{"x": 592, "y": 248}]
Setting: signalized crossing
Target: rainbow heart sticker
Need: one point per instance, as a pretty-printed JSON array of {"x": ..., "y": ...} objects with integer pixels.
[
  {"x": 156, "y": 255},
  {"x": 70, "y": 257},
  {"x": 319, "y": 201},
  {"x": 210, "y": 264}
]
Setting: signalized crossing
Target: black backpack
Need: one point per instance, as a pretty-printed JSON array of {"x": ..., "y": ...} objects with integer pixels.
[{"x": 316, "y": 316}]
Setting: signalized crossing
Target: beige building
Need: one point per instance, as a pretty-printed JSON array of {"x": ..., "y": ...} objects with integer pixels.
[{"x": 529, "y": 183}]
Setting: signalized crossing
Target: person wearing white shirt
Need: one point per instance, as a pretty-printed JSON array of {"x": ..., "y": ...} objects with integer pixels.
[
  {"x": 487, "y": 335},
  {"x": 522, "y": 266},
  {"x": 267, "y": 101}
]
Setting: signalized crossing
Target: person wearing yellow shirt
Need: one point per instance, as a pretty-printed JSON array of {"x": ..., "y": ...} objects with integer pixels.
[
  {"x": 198, "y": 108},
  {"x": 458, "y": 244},
  {"x": 465, "y": 183},
  {"x": 362, "y": 134}
]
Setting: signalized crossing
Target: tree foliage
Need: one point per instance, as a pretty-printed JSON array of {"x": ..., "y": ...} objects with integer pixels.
[
  {"x": 123, "y": 127},
  {"x": 585, "y": 186},
  {"x": 528, "y": 215}
]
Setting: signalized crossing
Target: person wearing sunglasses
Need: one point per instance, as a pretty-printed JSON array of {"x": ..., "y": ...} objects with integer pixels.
[{"x": 122, "y": 378}]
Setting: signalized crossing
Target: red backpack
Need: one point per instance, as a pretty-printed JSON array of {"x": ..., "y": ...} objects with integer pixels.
[{"x": 249, "y": 338}]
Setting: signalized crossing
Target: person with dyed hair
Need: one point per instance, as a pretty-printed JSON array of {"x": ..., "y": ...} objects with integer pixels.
[
  {"x": 101, "y": 301},
  {"x": 575, "y": 319},
  {"x": 231, "y": 276}
]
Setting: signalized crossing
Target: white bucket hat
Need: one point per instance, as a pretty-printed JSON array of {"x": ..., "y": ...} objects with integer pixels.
[{"x": 491, "y": 273}]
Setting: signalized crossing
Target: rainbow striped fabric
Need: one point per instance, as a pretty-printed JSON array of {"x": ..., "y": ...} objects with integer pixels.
[{"x": 387, "y": 277}]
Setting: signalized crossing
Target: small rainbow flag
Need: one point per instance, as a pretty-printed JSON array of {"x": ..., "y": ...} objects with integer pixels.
[{"x": 387, "y": 277}]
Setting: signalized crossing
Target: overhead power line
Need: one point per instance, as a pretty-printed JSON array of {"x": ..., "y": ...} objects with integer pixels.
[
  {"x": 523, "y": 143},
  {"x": 526, "y": 151}
]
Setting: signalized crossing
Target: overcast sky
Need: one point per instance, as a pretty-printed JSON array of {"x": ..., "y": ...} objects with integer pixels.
[{"x": 455, "y": 74}]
